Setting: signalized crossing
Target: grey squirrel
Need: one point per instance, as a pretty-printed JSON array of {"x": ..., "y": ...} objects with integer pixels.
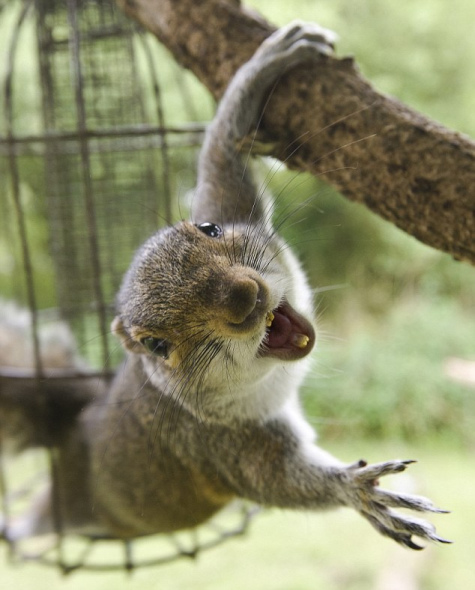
[{"x": 216, "y": 317}]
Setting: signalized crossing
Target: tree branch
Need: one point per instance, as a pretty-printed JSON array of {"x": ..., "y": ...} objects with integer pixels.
[{"x": 328, "y": 120}]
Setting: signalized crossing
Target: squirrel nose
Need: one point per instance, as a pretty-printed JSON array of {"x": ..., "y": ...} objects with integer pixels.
[
  {"x": 241, "y": 300},
  {"x": 245, "y": 295}
]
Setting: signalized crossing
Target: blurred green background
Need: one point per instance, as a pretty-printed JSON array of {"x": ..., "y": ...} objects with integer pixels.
[{"x": 393, "y": 313}]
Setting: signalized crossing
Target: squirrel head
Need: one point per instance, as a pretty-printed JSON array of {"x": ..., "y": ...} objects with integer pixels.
[{"x": 203, "y": 305}]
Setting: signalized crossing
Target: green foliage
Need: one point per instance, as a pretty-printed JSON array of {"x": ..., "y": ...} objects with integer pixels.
[
  {"x": 396, "y": 308},
  {"x": 363, "y": 261},
  {"x": 422, "y": 52},
  {"x": 388, "y": 379},
  {"x": 393, "y": 313},
  {"x": 27, "y": 103},
  {"x": 296, "y": 550}
]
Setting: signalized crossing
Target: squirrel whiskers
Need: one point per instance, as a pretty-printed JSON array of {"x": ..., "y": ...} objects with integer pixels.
[{"x": 216, "y": 317}]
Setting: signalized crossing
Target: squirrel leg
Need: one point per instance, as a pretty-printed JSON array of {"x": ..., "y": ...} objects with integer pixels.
[
  {"x": 277, "y": 467},
  {"x": 225, "y": 192}
]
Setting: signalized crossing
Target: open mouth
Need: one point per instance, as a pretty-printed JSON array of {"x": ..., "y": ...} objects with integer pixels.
[{"x": 289, "y": 336}]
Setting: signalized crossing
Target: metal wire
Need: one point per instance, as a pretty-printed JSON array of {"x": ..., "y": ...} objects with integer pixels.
[
  {"x": 88, "y": 156},
  {"x": 101, "y": 151},
  {"x": 216, "y": 536}
]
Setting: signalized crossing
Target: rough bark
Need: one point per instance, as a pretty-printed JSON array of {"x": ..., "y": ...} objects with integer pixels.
[{"x": 327, "y": 119}]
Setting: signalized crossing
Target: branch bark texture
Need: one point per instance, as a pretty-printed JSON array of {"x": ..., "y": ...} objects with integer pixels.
[{"x": 328, "y": 120}]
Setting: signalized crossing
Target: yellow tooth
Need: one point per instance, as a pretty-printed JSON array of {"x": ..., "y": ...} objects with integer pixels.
[
  {"x": 269, "y": 319},
  {"x": 300, "y": 340}
]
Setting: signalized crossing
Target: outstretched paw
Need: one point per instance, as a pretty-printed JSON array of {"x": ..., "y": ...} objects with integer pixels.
[{"x": 375, "y": 504}]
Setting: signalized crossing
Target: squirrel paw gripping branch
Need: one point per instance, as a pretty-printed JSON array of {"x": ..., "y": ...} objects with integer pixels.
[{"x": 216, "y": 317}]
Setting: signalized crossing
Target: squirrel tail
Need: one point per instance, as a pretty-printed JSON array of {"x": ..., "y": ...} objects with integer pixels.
[{"x": 38, "y": 411}]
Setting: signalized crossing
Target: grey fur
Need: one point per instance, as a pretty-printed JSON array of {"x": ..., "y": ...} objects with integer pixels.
[{"x": 216, "y": 414}]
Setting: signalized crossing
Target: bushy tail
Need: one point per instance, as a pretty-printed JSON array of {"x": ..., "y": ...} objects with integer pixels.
[{"x": 39, "y": 411}]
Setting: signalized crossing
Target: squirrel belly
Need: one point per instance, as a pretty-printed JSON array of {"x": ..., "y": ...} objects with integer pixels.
[{"x": 185, "y": 469}]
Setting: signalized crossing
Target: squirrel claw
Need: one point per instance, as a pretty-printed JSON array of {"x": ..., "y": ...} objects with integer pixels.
[
  {"x": 372, "y": 472},
  {"x": 375, "y": 504}
]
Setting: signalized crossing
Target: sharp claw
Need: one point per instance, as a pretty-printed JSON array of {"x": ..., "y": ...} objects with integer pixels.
[
  {"x": 401, "y": 528},
  {"x": 374, "y": 504},
  {"x": 398, "y": 536},
  {"x": 358, "y": 464},
  {"x": 400, "y": 500},
  {"x": 408, "y": 542},
  {"x": 442, "y": 540},
  {"x": 404, "y": 464},
  {"x": 372, "y": 472}
]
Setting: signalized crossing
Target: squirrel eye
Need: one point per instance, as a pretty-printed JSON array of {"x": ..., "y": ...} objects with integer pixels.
[
  {"x": 210, "y": 229},
  {"x": 156, "y": 346}
]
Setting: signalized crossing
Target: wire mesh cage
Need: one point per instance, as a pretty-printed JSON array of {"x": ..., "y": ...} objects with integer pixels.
[
  {"x": 88, "y": 154},
  {"x": 86, "y": 159}
]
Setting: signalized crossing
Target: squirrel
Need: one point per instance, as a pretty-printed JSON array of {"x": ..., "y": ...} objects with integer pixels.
[{"x": 216, "y": 318}]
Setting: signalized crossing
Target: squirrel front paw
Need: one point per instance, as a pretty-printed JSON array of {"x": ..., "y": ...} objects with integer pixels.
[
  {"x": 295, "y": 43},
  {"x": 373, "y": 503}
]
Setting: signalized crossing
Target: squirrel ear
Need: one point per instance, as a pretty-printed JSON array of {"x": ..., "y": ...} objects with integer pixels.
[{"x": 119, "y": 330}]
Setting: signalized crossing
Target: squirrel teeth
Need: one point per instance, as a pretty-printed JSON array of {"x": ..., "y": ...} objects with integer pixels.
[
  {"x": 269, "y": 319},
  {"x": 300, "y": 340}
]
